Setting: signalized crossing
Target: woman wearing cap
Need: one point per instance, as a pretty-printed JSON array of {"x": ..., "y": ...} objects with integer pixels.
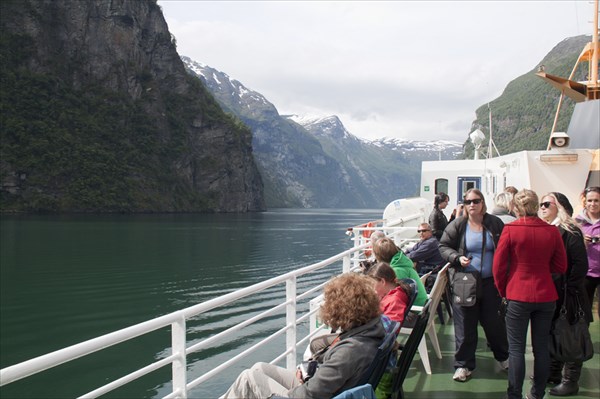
[
  {"x": 468, "y": 244},
  {"x": 528, "y": 253},
  {"x": 556, "y": 209},
  {"x": 589, "y": 220}
]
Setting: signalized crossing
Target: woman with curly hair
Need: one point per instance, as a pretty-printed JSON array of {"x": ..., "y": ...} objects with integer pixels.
[
  {"x": 556, "y": 209},
  {"x": 351, "y": 306}
]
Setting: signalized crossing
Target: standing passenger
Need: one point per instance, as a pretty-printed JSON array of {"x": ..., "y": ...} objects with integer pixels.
[
  {"x": 557, "y": 210},
  {"x": 589, "y": 219},
  {"x": 504, "y": 207},
  {"x": 437, "y": 219},
  {"x": 468, "y": 244},
  {"x": 528, "y": 252}
]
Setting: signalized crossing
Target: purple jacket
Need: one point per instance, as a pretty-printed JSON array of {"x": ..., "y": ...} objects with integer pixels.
[{"x": 593, "y": 249}]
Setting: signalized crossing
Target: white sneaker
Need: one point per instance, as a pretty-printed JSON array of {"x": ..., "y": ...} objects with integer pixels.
[
  {"x": 504, "y": 364},
  {"x": 461, "y": 374}
]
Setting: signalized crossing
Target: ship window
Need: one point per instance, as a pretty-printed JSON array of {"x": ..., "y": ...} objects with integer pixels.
[
  {"x": 467, "y": 185},
  {"x": 441, "y": 185}
]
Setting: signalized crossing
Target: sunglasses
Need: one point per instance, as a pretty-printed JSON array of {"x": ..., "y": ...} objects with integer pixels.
[
  {"x": 422, "y": 231},
  {"x": 473, "y": 201},
  {"x": 546, "y": 204}
]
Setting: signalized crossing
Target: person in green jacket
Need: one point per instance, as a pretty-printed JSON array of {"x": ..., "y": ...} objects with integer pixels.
[{"x": 385, "y": 250}]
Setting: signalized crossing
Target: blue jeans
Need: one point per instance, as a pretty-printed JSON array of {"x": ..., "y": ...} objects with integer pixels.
[{"x": 518, "y": 315}]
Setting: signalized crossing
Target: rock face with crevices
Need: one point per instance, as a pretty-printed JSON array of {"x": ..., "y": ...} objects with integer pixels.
[{"x": 99, "y": 115}]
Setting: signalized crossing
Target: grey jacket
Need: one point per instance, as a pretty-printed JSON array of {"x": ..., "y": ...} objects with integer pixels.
[{"x": 344, "y": 363}]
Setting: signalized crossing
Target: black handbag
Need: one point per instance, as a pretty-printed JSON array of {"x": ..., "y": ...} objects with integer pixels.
[{"x": 570, "y": 342}]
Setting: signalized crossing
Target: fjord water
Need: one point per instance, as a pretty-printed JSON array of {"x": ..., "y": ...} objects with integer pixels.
[{"x": 66, "y": 279}]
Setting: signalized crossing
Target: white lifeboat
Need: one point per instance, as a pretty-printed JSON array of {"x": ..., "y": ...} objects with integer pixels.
[{"x": 407, "y": 212}]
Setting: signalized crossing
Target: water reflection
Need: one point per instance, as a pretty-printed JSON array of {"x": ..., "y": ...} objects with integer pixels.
[{"x": 65, "y": 279}]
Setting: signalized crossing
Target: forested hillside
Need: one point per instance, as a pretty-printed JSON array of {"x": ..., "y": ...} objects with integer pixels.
[
  {"x": 522, "y": 116},
  {"x": 98, "y": 115}
]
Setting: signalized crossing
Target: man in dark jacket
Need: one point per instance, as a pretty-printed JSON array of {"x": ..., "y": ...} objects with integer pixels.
[{"x": 425, "y": 253}]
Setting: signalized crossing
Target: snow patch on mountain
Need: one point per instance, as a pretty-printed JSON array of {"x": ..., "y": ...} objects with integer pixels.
[
  {"x": 332, "y": 126},
  {"x": 212, "y": 77}
]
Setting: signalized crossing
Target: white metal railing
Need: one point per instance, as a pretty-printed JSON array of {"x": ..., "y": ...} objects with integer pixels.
[{"x": 177, "y": 321}]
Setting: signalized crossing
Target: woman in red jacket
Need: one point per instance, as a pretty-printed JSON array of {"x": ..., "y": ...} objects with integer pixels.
[
  {"x": 528, "y": 252},
  {"x": 392, "y": 293}
]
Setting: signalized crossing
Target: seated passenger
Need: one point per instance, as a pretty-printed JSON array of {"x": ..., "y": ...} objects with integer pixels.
[
  {"x": 393, "y": 294},
  {"x": 351, "y": 305},
  {"x": 426, "y": 253},
  {"x": 394, "y": 300},
  {"x": 385, "y": 250}
]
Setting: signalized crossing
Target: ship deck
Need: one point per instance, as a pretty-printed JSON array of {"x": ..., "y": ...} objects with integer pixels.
[{"x": 488, "y": 380}]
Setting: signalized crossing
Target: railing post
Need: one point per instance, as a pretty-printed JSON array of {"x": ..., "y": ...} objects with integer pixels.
[
  {"x": 179, "y": 366},
  {"x": 290, "y": 335},
  {"x": 346, "y": 264}
]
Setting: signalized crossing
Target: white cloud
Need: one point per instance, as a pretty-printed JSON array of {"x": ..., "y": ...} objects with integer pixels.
[{"x": 410, "y": 69}]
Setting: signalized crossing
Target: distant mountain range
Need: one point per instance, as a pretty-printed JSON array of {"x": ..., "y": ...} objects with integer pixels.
[
  {"x": 315, "y": 162},
  {"x": 117, "y": 121}
]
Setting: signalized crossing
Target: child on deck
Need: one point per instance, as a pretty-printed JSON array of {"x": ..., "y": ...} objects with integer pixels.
[
  {"x": 392, "y": 293},
  {"x": 393, "y": 297}
]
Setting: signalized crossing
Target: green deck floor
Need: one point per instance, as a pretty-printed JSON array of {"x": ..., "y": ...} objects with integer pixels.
[{"x": 487, "y": 381}]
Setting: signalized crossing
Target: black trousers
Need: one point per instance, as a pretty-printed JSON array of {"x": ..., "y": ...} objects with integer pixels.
[{"x": 466, "y": 320}]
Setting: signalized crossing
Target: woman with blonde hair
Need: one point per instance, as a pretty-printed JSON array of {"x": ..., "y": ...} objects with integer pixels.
[
  {"x": 468, "y": 244},
  {"x": 504, "y": 207},
  {"x": 556, "y": 209},
  {"x": 528, "y": 252},
  {"x": 352, "y": 307}
]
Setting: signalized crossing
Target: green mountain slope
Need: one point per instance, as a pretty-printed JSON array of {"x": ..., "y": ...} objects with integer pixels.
[{"x": 522, "y": 116}]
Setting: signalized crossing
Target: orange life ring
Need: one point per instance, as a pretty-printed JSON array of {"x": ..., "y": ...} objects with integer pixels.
[{"x": 367, "y": 234}]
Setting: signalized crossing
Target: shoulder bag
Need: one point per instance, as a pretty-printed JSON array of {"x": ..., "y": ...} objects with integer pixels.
[
  {"x": 570, "y": 342},
  {"x": 466, "y": 287}
]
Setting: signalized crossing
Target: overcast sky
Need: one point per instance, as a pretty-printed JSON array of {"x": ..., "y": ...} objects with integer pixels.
[{"x": 406, "y": 69}]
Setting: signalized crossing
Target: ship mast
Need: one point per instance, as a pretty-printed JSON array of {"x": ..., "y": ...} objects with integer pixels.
[{"x": 579, "y": 91}]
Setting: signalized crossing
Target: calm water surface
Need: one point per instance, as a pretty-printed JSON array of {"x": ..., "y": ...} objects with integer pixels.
[{"x": 65, "y": 279}]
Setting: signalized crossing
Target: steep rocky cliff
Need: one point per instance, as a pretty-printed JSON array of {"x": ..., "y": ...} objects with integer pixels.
[
  {"x": 98, "y": 114},
  {"x": 316, "y": 162}
]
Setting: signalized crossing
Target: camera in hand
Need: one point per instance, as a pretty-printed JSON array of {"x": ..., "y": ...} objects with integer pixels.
[
  {"x": 595, "y": 240},
  {"x": 308, "y": 369},
  {"x": 365, "y": 265}
]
